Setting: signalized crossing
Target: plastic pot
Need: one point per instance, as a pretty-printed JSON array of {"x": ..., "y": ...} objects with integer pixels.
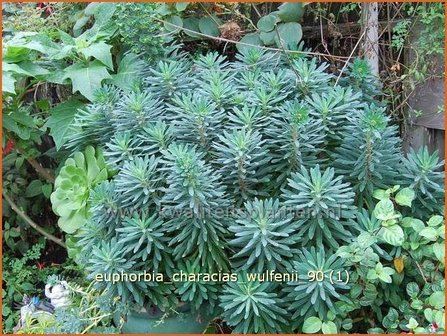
[{"x": 147, "y": 321}]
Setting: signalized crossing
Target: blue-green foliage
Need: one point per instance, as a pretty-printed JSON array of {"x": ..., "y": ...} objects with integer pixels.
[{"x": 244, "y": 167}]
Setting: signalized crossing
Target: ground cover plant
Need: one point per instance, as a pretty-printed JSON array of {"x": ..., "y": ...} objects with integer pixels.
[{"x": 138, "y": 140}]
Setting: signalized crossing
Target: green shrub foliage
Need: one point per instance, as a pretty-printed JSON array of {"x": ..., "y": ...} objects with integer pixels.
[{"x": 263, "y": 164}]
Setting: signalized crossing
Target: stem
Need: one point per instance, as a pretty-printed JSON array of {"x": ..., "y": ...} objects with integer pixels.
[
  {"x": 31, "y": 223},
  {"x": 45, "y": 173},
  {"x": 422, "y": 273}
]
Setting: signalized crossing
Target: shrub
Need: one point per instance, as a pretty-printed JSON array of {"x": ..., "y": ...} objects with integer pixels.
[{"x": 245, "y": 167}]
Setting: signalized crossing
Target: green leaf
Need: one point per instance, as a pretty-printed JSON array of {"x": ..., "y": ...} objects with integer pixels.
[
  {"x": 290, "y": 34},
  {"x": 384, "y": 210},
  {"x": 87, "y": 79},
  {"x": 439, "y": 251},
  {"x": 8, "y": 83},
  {"x": 437, "y": 300},
  {"x": 405, "y": 196},
  {"x": 46, "y": 190},
  {"x": 365, "y": 239},
  {"x": 34, "y": 69},
  {"x": 391, "y": 320},
  {"x": 251, "y": 39},
  {"x": 129, "y": 72},
  {"x": 181, "y": 6},
  {"x": 291, "y": 11},
  {"x": 380, "y": 194},
  {"x": 14, "y": 68},
  {"x": 268, "y": 38},
  {"x": 209, "y": 26},
  {"x": 412, "y": 289},
  {"x": 267, "y": 23},
  {"x": 393, "y": 235},
  {"x": 329, "y": 328},
  {"x": 412, "y": 324},
  {"x": 99, "y": 51},
  {"x": 428, "y": 313},
  {"x": 191, "y": 24},
  {"x": 173, "y": 23},
  {"x": 414, "y": 223},
  {"x": 429, "y": 233},
  {"x": 312, "y": 325},
  {"x": 435, "y": 220},
  {"x": 60, "y": 119},
  {"x": 33, "y": 189}
]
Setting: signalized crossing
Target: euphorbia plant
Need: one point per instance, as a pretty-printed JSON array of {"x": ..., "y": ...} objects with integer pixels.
[{"x": 238, "y": 168}]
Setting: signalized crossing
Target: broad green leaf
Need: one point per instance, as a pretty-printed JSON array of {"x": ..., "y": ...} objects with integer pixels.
[
  {"x": 384, "y": 210},
  {"x": 192, "y": 25},
  {"x": 405, "y": 196},
  {"x": 429, "y": 233},
  {"x": 393, "y": 235},
  {"x": 365, "y": 239},
  {"x": 267, "y": 23},
  {"x": 290, "y": 34},
  {"x": 87, "y": 78},
  {"x": 173, "y": 23},
  {"x": 291, "y": 11},
  {"x": 8, "y": 83},
  {"x": 34, "y": 69},
  {"x": 414, "y": 223},
  {"x": 268, "y": 38},
  {"x": 208, "y": 25},
  {"x": 312, "y": 325},
  {"x": 412, "y": 324},
  {"x": 129, "y": 72},
  {"x": 435, "y": 220},
  {"x": 380, "y": 194},
  {"x": 439, "y": 251},
  {"x": 99, "y": 51},
  {"x": 14, "y": 68},
  {"x": 34, "y": 188},
  {"x": 413, "y": 289},
  {"x": 249, "y": 41},
  {"x": 329, "y": 327},
  {"x": 181, "y": 6},
  {"x": 60, "y": 119},
  {"x": 437, "y": 300}
]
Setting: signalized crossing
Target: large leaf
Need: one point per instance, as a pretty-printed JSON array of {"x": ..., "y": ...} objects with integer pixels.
[
  {"x": 100, "y": 51},
  {"x": 267, "y": 23},
  {"x": 291, "y": 11},
  {"x": 252, "y": 40},
  {"x": 439, "y": 250},
  {"x": 87, "y": 78},
  {"x": 129, "y": 72},
  {"x": 8, "y": 82},
  {"x": 60, "y": 119},
  {"x": 312, "y": 325},
  {"x": 329, "y": 327},
  {"x": 14, "y": 68},
  {"x": 429, "y": 233},
  {"x": 192, "y": 25},
  {"x": 208, "y": 25},
  {"x": 405, "y": 197},
  {"x": 290, "y": 34},
  {"x": 393, "y": 235},
  {"x": 384, "y": 210}
]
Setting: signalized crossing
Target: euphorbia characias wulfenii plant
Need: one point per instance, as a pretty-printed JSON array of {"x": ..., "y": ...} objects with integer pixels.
[{"x": 239, "y": 167}]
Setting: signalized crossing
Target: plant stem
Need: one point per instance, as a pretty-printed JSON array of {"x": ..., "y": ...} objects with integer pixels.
[
  {"x": 31, "y": 223},
  {"x": 38, "y": 168}
]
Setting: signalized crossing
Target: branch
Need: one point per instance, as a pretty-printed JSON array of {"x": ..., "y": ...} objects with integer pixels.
[
  {"x": 31, "y": 223},
  {"x": 45, "y": 173}
]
